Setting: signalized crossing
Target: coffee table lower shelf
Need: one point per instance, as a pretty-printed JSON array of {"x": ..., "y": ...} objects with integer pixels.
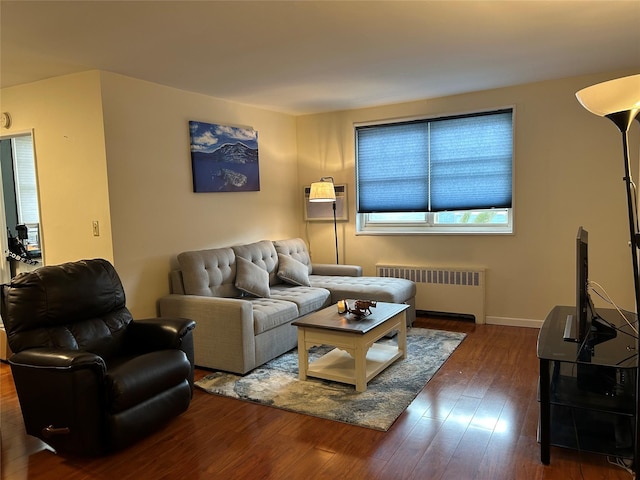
[{"x": 340, "y": 366}]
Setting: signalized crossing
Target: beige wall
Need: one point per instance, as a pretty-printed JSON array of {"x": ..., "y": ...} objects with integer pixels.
[
  {"x": 155, "y": 214},
  {"x": 65, "y": 114},
  {"x": 145, "y": 204},
  {"x": 568, "y": 171}
]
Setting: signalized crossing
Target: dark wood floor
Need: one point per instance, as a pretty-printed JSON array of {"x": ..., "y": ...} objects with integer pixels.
[{"x": 476, "y": 419}]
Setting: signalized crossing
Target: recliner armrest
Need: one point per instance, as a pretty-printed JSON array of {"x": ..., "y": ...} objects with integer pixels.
[
  {"x": 55, "y": 358},
  {"x": 158, "y": 333},
  {"x": 333, "y": 269},
  {"x": 62, "y": 391},
  {"x": 161, "y": 333}
]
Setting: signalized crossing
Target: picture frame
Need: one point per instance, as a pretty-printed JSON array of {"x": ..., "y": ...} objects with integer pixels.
[
  {"x": 224, "y": 158},
  {"x": 323, "y": 211}
]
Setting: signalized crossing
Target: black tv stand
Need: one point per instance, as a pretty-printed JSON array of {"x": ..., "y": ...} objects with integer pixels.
[{"x": 587, "y": 390}]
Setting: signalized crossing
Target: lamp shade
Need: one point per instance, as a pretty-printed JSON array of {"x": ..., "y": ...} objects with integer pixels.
[
  {"x": 613, "y": 96},
  {"x": 322, "y": 192}
]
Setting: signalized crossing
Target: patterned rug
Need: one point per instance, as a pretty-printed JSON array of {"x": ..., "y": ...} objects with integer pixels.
[{"x": 276, "y": 383}]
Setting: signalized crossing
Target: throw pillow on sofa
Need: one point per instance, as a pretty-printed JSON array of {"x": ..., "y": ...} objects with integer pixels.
[
  {"x": 292, "y": 271},
  {"x": 252, "y": 279}
]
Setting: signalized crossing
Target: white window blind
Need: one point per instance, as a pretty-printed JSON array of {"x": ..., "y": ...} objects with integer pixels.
[{"x": 25, "y": 180}]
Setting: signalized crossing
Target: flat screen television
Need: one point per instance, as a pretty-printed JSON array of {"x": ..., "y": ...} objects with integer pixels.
[
  {"x": 582, "y": 284},
  {"x": 585, "y": 324},
  {"x": 577, "y": 324}
]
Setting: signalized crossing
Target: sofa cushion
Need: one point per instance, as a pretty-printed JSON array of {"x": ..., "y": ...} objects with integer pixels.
[
  {"x": 308, "y": 299},
  {"x": 209, "y": 273},
  {"x": 292, "y": 271},
  {"x": 295, "y": 248},
  {"x": 251, "y": 279},
  {"x": 382, "y": 289},
  {"x": 263, "y": 254},
  {"x": 269, "y": 313}
]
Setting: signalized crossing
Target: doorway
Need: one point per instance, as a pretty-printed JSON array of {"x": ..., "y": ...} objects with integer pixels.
[{"x": 19, "y": 207}]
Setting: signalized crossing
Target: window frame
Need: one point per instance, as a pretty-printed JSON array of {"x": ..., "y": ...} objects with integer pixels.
[{"x": 429, "y": 226}]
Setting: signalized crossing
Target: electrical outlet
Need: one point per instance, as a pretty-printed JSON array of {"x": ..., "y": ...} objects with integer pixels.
[{"x": 96, "y": 228}]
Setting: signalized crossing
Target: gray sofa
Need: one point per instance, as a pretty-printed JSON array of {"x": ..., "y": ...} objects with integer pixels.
[{"x": 244, "y": 298}]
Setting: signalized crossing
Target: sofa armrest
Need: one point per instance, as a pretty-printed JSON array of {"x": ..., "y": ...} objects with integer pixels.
[
  {"x": 224, "y": 338},
  {"x": 333, "y": 269}
]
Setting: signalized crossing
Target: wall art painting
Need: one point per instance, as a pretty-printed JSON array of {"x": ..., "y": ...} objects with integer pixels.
[{"x": 224, "y": 158}]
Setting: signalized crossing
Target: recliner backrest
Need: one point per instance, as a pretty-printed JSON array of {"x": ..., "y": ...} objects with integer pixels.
[{"x": 76, "y": 305}]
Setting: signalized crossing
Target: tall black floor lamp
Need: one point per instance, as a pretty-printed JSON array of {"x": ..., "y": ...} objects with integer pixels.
[
  {"x": 619, "y": 101},
  {"x": 325, "y": 191}
]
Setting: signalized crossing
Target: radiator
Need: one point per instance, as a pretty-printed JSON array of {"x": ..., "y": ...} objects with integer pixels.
[{"x": 443, "y": 289}]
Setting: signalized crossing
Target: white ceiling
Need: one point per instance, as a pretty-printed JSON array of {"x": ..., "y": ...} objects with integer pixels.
[{"x": 311, "y": 56}]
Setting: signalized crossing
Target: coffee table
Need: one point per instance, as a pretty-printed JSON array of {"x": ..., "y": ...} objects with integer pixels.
[{"x": 356, "y": 358}]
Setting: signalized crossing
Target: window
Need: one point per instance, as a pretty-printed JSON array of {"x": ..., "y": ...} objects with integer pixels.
[
  {"x": 25, "y": 180},
  {"x": 440, "y": 175}
]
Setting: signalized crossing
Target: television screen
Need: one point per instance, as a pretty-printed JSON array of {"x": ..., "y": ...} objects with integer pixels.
[
  {"x": 582, "y": 283},
  {"x": 577, "y": 325}
]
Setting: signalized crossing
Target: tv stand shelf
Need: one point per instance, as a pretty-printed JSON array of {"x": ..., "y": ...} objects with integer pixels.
[
  {"x": 566, "y": 392},
  {"x": 587, "y": 392},
  {"x": 590, "y": 431}
]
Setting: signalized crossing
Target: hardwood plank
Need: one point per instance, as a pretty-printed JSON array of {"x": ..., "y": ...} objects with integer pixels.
[
  {"x": 412, "y": 450},
  {"x": 476, "y": 419}
]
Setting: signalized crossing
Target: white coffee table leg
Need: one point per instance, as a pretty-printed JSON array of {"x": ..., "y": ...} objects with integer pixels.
[
  {"x": 360, "y": 356},
  {"x": 303, "y": 355},
  {"x": 402, "y": 335}
]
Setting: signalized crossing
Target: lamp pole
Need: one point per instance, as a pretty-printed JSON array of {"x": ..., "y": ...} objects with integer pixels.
[
  {"x": 325, "y": 191},
  {"x": 335, "y": 231},
  {"x": 623, "y": 121}
]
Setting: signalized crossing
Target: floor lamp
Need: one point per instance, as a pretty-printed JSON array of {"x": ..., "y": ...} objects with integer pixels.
[
  {"x": 325, "y": 191},
  {"x": 619, "y": 101}
]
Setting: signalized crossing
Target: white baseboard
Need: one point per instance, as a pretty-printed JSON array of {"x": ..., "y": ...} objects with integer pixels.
[{"x": 514, "y": 322}]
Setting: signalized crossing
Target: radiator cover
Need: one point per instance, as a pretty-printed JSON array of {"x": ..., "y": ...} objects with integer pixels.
[{"x": 452, "y": 290}]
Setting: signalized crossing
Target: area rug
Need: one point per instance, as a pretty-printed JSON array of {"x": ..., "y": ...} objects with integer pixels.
[{"x": 276, "y": 383}]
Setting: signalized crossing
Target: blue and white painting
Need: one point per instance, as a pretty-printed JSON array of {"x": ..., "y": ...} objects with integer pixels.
[{"x": 224, "y": 158}]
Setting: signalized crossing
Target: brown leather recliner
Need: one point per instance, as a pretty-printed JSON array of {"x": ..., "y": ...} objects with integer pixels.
[{"x": 90, "y": 379}]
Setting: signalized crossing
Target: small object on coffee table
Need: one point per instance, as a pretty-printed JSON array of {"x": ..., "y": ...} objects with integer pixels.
[
  {"x": 362, "y": 307},
  {"x": 342, "y": 306}
]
